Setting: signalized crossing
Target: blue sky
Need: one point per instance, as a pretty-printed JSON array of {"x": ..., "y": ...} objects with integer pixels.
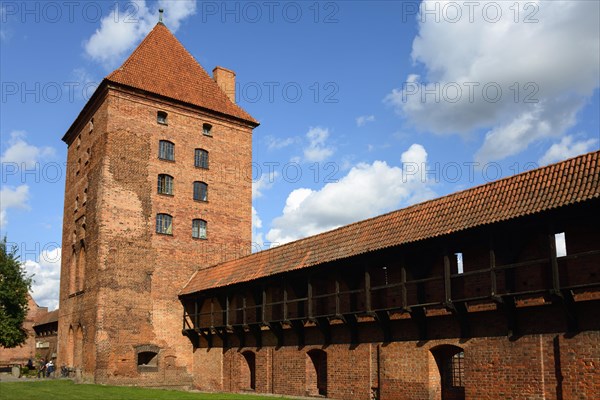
[{"x": 365, "y": 107}]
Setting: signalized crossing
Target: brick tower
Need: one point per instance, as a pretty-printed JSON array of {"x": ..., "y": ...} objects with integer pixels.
[{"x": 158, "y": 186}]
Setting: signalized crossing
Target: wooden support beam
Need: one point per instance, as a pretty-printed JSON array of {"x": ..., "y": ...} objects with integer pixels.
[
  {"x": 227, "y": 324},
  {"x": 222, "y": 333},
  {"x": 352, "y": 322},
  {"x": 325, "y": 328},
  {"x": 285, "y": 300},
  {"x": 212, "y": 312},
  {"x": 263, "y": 308},
  {"x": 257, "y": 333},
  {"x": 417, "y": 314},
  {"x": 368, "y": 307},
  {"x": 338, "y": 314},
  {"x": 298, "y": 328},
  {"x": 459, "y": 310},
  {"x": 244, "y": 319},
  {"x": 383, "y": 318},
  {"x": 567, "y": 303},
  {"x": 208, "y": 336},
  {"x": 309, "y": 295},
  {"x": 196, "y": 311},
  {"x": 447, "y": 282},
  {"x": 277, "y": 329},
  {"x": 403, "y": 288},
  {"x": 193, "y": 336},
  {"x": 493, "y": 283},
  {"x": 509, "y": 309},
  {"x": 240, "y": 333}
]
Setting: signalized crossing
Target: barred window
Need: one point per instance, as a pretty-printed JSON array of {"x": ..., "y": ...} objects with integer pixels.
[
  {"x": 200, "y": 191},
  {"x": 166, "y": 150},
  {"x": 199, "y": 229},
  {"x": 164, "y": 224},
  {"x": 165, "y": 184},
  {"x": 201, "y": 158},
  {"x": 161, "y": 117},
  {"x": 207, "y": 129},
  {"x": 454, "y": 371}
]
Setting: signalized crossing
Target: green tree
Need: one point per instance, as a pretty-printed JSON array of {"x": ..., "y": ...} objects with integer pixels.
[{"x": 14, "y": 287}]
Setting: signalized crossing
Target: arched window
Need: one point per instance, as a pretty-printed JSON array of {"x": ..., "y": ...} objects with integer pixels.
[
  {"x": 207, "y": 129},
  {"x": 201, "y": 158},
  {"x": 81, "y": 267},
  {"x": 451, "y": 364},
  {"x": 161, "y": 117},
  {"x": 70, "y": 346},
  {"x": 166, "y": 150},
  {"x": 164, "y": 224},
  {"x": 73, "y": 273},
  {"x": 165, "y": 184},
  {"x": 199, "y": 229},
  {"x": 248, "y": 372},
  {"x": 200, "y": 191},
  {"x": 316, "y": 373},
  {"x": 78, "y": 350}
]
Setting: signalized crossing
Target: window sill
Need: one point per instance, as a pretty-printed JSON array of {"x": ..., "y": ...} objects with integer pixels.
[
  {"x": 162, "y": 123},
  {"x": 207, "y": 134},
  {"x": 165, "y": 194},
  {"x": 166, "y": 159},
  {"x": 164, "y": 234},
  {"x": 201, "y": 201},
  {"x": 199, "y": 238},
  {"x": 199, "y": 167}
]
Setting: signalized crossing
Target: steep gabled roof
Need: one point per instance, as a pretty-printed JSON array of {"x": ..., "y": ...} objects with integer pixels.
[
  {"x": 161, "y": 65},
  {"x": 565, "y": 183}
]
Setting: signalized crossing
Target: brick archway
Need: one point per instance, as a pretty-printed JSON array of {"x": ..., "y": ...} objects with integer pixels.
[
  {"x": 316, "y": 373},
  {"x": 248, "y": 371},
  {"x": 450, "y": 363}
]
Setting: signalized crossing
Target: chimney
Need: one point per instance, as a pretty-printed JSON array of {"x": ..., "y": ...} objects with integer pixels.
[{"x": 225, "y": 78}]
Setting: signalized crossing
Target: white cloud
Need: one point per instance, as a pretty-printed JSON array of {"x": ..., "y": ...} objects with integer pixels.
[
  {"x": 367, "y": 190},
  {"x": 568, "y": 147},
  {"x": 46, "y": 280},
  {"x": 123, "y": 28},
  {"x": 22, "y": 153},
  {"x": 274, "y": 143},
  {"x": 265, "y": 182},
  {"x": 555, "y": 61},
  {"x": 363, "y": 119},
  {"x": 257, "y": 235},
  {"x": 12, "y": 198},
  {"x": 317, "y": 149}
]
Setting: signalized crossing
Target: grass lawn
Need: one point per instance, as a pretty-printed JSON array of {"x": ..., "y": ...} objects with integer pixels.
[{"x": 67, "y": 390}]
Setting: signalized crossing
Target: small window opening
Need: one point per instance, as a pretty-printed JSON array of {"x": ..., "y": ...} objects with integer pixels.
[
  {"x": 161, "y": 117},
  {"x": 459, "y": 262},
  {"x": 561, "y": 244},
  {"x": 207, "y": 129},
  {"x": 147, "y": 359},
  {"x": 91, "y": 125},
  {"x": 164, "y": 224},
  {"x": 201, "y": 158},
  {"x": 78, "y": 141},
  {"x": 199, "y": 229},
  {"x": 200, "y": 191},
  {"x": 165, "y": 184},
  {"x": 166, "y": 150}
]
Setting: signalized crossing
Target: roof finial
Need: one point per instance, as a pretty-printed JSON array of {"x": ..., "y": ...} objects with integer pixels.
[{"x": 160, "y": 15}]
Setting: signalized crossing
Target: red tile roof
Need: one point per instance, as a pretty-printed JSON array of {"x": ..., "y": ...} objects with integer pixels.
[
  {"x": 161, "y": 65},
  {"x": 568, "y": 182},
  {"x": 50, "y": 317}
]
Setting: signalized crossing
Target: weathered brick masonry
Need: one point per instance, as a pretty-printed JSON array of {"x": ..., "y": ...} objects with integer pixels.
[{"x": 379, "y": 309}]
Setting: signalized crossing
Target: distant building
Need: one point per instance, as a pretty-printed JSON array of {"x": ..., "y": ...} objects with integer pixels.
[
  {"x": 157, "y": 226},
  {"x": 46, "y": 335},
  {"x": 21, "y": 354}
]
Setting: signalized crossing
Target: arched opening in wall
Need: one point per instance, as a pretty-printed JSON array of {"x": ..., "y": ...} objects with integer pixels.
[
  {"x": 316, "y": 373},
  {"x": 70, "y": 347},
  {"x": 450, "y": 361},
  {"x": 73, "y": 272},
  {"x": 147, "y": 358},
  {"x": 78, "y": 348},
  {"x": 248, "y": 371},
  {"x": 81, "y": 267}
]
